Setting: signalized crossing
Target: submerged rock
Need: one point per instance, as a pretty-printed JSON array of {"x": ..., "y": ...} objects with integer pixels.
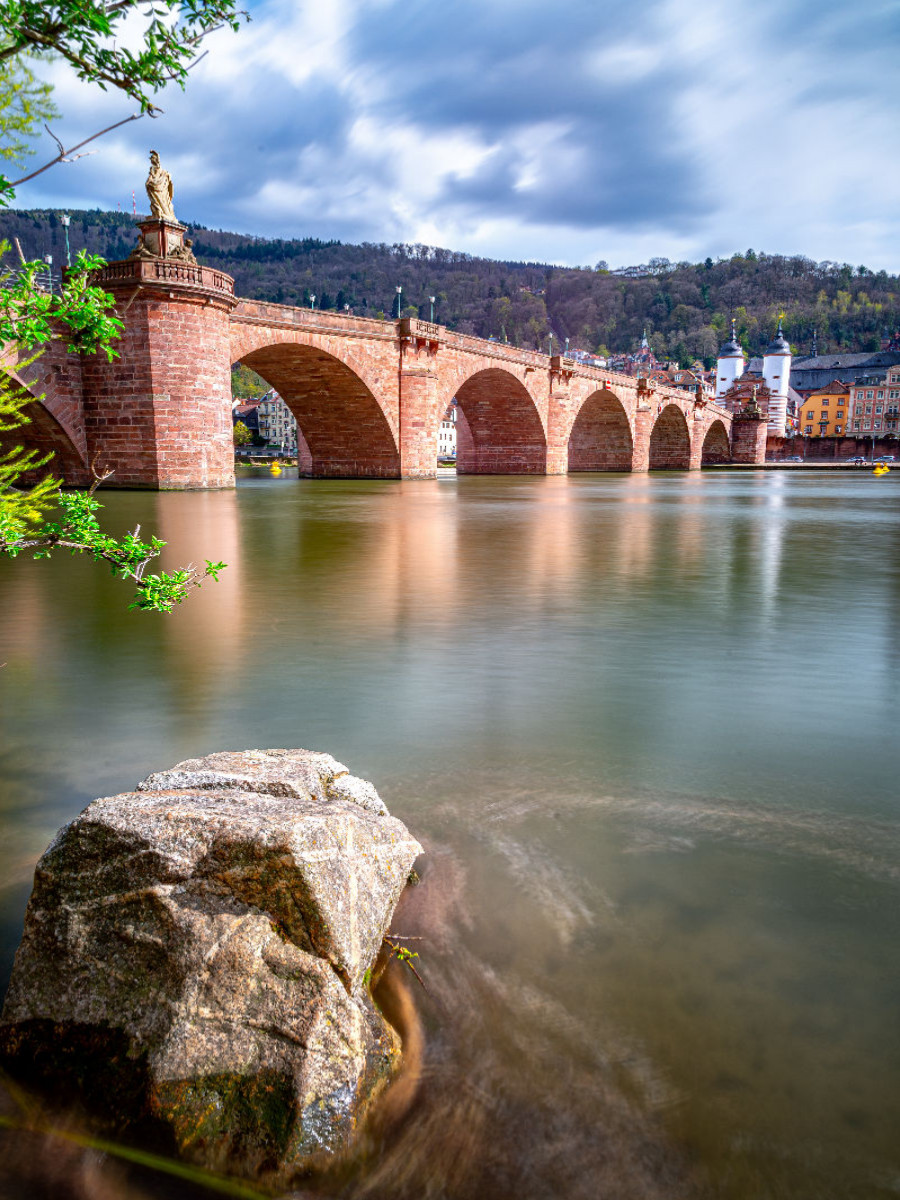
[{"x": 196, "y": 952}]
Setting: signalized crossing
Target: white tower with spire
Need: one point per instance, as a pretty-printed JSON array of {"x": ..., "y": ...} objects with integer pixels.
[
  {"x": 777, "y": 374},
  {"x": 730, "y": 364}
]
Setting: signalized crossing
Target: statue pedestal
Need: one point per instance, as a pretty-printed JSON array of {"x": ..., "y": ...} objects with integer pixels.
[{"x": 161, "y": 238}]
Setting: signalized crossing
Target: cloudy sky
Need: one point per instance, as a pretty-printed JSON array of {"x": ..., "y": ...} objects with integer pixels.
[{"x": 598, "y": 129}]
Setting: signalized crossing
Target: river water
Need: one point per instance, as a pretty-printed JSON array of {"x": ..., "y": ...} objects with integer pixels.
[{"x": 645, "y": 727}]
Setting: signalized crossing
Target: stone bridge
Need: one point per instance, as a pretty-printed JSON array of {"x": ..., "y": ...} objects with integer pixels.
[{"x": 368, "y": 395}]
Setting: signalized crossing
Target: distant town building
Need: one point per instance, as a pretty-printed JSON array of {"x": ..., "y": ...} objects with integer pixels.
[
  {"x": 447, "y": 433},
  {"x": 632, "y": 272},
  {"x": 277, "y": 424},
  {"x": 641, "y": 363},
  {"x": 587, "y": 359},
  {"x": 815, "y": 371},
  {"x": 247, "y": 412},
  {"x": 824, "y": 413},
  {"x": 683, "y": 379},
  {"x": 875, "y": 403},
  {"x": 768, "y": 381}
]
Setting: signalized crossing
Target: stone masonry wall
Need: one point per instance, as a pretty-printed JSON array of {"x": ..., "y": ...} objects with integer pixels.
[{"x": 159, "y": 416}]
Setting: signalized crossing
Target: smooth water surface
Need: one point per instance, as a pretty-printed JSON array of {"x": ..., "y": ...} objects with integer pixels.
[{"x": 645, "y": 727}]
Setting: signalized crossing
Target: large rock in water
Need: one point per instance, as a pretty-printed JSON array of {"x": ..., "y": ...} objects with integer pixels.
[{"x": 196, "y": 955}]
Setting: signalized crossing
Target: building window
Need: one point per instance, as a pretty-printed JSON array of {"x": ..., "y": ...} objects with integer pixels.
[
  {"x": 825, "y": 403},
  {"x": 808, "y": 429},
  {"x": 858, "y": 410},
  {"x": 868, "y": 409},
  {"x": 839, "y": 413},
  {"x": 870, "y": 395},
  {"x": 877, "y": 424},
  {"x": 880, "y": 396},
  {"x": 837, "y": 429},
  {"x": 856, "y": 424},
  {"x": 810, "y": 416}
]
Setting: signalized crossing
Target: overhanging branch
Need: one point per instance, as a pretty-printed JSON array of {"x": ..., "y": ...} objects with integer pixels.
[{"x": 66, "y": 155}]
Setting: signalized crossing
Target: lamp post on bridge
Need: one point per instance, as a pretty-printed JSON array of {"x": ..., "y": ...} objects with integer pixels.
[
  {"x": 48, "y": 259},
  {"x": 64, "y": 221},
  {"x": 550, "y": 336},
  {"x": 399, "y": 290},
  {"x": 431, "y": 298},
  {"x": 312, "y": 300},
  {"x": 567, "y": 347}
]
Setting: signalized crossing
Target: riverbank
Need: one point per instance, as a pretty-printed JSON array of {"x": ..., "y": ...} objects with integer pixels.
[
  {"x": 444, "y": 472},
  {"x": 808, "y": 465}
]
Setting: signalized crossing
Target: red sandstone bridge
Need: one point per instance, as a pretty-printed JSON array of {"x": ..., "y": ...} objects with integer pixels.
[{"x": 368, "y": 395}]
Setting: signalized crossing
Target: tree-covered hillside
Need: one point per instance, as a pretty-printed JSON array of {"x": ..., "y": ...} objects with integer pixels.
[{"x": 685, "y": 307}]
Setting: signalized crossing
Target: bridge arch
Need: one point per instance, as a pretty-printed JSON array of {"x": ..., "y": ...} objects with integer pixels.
[
  {"x": 346, "y": 429},
  {"x": 670, "y": 441},
  {"x": 716, "y": 446},
  {"x": 47, "y": 432},
  {"x": 499, "y": 430},
  {"x": 601, "y": 437}
]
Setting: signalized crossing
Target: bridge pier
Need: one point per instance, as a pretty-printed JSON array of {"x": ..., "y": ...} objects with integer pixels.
[
  {"x": 560, "y": 415},
  {"x": 643, "y": 427},
  {"x": 159, "y": 415},
  {"x": 419, "y": 403},
  {"x": 748, "y": 437}
]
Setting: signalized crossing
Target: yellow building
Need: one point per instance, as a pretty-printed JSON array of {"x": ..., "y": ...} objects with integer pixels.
[{"x": 825, "y": 412}]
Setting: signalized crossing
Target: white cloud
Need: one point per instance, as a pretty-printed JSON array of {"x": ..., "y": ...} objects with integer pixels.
[{"x": 486, "y": 129}]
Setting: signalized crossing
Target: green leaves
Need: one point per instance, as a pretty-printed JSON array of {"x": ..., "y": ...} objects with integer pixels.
[
  {"x": 31, "y": 316},
  {"x": 85, "y": 33},
  {"x": 26, "y": 511},
  {"x": 23, "y": 527},
  {"x": 25, "y": 103}
]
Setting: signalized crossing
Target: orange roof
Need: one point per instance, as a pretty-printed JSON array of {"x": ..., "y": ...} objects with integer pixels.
[{"x": 835, "y": 388}]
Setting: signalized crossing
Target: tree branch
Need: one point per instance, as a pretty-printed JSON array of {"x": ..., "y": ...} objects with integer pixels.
[{"x": 63, "y": 155}]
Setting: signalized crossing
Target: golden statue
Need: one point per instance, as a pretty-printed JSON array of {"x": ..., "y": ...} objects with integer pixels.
[{"x": 159, "y": 190}]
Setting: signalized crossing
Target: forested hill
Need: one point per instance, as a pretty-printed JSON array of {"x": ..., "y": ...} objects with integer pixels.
[{"x": 685, "y": 307}]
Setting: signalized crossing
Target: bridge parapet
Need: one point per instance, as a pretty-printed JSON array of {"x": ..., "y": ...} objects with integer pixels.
[
  {"x": 425, "y": 331},
  {"x": 285, "y": 316},
  {"x": 311, "y": 320},
  {"x": 170, "y": 273}
]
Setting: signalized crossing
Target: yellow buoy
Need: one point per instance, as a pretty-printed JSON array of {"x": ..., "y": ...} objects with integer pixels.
[{"x": 275, "y": 468}]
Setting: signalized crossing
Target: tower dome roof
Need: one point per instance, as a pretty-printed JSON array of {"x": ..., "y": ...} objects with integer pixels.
[
  {"x": 731, "y": 348},
  {"x": 778, "y": 345}
]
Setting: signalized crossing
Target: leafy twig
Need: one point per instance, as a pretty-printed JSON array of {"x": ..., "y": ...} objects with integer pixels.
[{"x": 404, "y": 955}]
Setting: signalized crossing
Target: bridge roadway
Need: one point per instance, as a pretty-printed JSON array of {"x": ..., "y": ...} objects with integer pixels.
[{"x": 368, "y": 395}]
